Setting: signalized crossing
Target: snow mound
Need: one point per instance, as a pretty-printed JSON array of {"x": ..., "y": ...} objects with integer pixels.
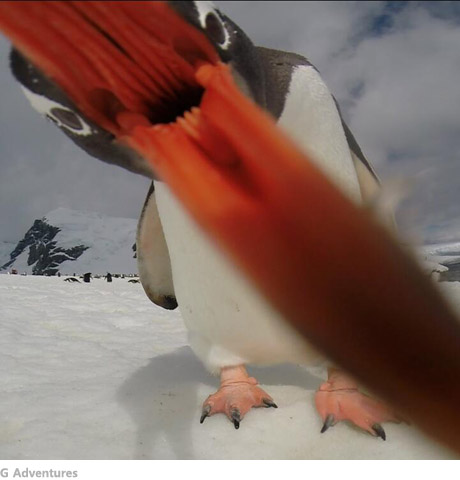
[{"x": 99, "y": 372}]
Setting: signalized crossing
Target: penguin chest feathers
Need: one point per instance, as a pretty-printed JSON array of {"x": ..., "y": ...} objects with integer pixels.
[
  {"x": 311, "y": 118},
  {"x": 227, "y": 320}
]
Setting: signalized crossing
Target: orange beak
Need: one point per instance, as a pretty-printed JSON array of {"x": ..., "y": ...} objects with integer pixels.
[{"x": 336, "y": 275}]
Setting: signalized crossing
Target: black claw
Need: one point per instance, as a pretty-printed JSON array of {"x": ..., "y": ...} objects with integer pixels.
[
  {"x": 205, "y": 413},
  {"x": 380, "y": 432},
  {"x": 328, "y": 423},
  {"x": 236, "y": 418},
  {"x": 269, "y": 403}
]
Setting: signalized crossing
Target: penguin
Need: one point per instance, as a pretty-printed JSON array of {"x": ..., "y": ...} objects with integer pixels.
[
  {"x": 230, "y": 324},
  {"x": 71, "y": 279}
]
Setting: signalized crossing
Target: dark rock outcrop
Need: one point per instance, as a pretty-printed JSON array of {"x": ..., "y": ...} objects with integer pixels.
[{"x": 43, "y": 252}]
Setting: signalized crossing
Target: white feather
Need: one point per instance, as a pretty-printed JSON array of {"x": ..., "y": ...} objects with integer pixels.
[
  {"x": 204, "y": 8},
  {"x": 311, "y": 118},
  {"x": 228, "y": 321},
  {"x": 44, "y": 106}
]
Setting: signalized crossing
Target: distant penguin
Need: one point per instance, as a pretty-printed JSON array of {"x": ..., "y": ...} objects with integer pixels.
[
  {"x": 87, "y": 277},
  {"x": 108, "y": 277},
  {"x": 72, "y": 280}
]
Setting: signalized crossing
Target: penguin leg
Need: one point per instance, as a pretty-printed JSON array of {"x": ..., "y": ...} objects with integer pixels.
[
  {"x": 238, "y": 393},
  {"x": 339, "y": 399}
]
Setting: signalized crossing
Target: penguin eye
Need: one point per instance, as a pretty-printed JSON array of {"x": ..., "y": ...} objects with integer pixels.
[
  {"x": 214, "y": 28},
  {"x": 67, "y": 118}
]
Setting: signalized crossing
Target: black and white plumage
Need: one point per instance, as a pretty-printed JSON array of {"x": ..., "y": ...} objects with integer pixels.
[
  {"x": 227, "y": 320},
  {"x": 192, "y": 115}
]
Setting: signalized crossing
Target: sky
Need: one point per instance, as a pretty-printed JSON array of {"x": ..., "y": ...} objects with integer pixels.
[{"x": 393, "y": 66}]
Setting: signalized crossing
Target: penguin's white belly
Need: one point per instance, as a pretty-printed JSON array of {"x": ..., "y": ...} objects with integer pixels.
[
  {"x": 311, "y": 119},
  {"x": 228, "y": 322}
]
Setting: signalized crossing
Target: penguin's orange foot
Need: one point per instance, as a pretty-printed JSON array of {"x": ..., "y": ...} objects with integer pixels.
[
  {"x": 237, "y": 394},
  {"x": 339, "y": 399}
]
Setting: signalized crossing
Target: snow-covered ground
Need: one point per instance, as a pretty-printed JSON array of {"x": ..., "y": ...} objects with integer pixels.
[
  {"x": 443, "y": 252},
  {"x": 96, "y": 371}
]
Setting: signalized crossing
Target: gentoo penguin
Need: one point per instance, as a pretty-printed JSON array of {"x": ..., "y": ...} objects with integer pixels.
[
  {"x": 71, "y": 279},
  {"x": 194, "y": 101}
]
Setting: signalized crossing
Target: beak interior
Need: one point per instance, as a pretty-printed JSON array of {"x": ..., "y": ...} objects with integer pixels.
[
  {"x": 147, "y": 68},
  {"x": 144, "y": 74}
]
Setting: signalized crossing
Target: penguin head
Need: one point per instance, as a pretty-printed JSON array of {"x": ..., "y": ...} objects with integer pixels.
[
  {"x": 230, "y": 45},
  {"x": 48, "y": 99},
  {"x": 233, "y": 46}
]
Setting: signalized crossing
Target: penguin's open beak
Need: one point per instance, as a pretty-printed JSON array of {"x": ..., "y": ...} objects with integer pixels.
[{"x": 142, "y": 72}]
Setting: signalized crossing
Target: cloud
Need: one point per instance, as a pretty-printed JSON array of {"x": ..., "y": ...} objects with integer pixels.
[
  {"x": 394, "y": 67},
  {"x": 409, "y": 85},
  {"x": 405, "y": 112}
]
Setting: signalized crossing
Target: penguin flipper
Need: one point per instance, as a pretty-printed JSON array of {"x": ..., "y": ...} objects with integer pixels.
[
  {"x": 369, "y": 183},
  {"x": 153, "y": 256},
  {"x": 372, "y": 193}
]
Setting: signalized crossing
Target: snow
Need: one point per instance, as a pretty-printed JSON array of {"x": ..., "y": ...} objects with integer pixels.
[
  {"x": 5, "y": 249},
  {"x": 442, "y": 250},
  {"x": 96, "y": 371},
  {"x": 110, "y": 241},
  {"x": 437, "y": 258},
  {"x": 20, "y": 264}
]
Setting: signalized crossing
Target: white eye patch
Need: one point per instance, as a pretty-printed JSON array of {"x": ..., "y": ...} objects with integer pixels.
[
  {"x": 209, "y": 17},
  {"x": 61, "y": 115}
]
